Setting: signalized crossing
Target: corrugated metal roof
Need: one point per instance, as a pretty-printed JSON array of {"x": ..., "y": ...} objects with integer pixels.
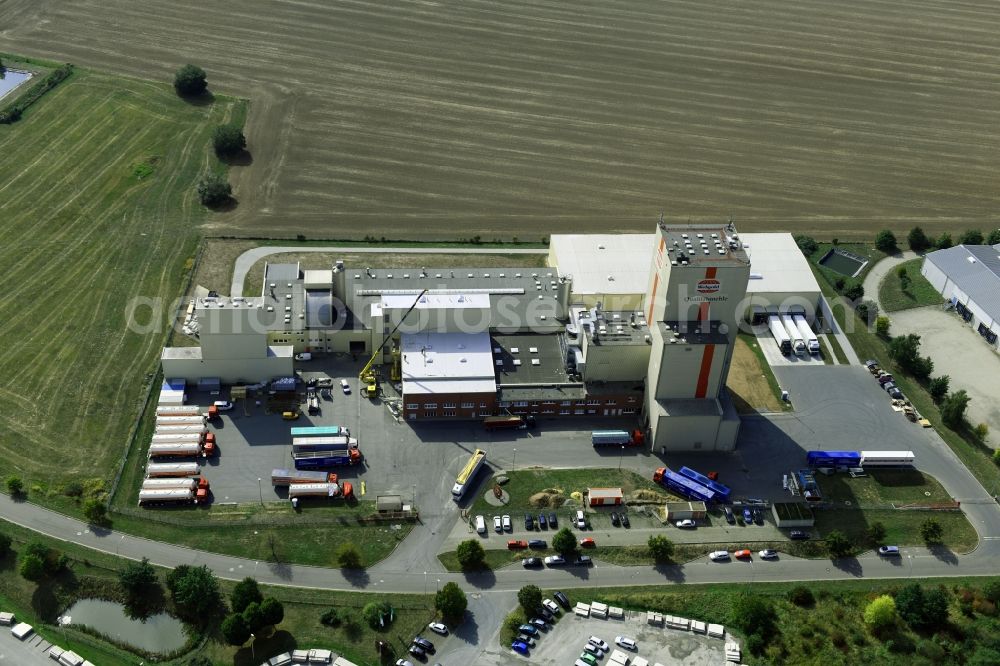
[{"x": 975, "y": 269}]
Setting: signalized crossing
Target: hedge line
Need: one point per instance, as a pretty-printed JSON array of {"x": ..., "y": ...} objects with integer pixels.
[{"x": 13, "y": 112}]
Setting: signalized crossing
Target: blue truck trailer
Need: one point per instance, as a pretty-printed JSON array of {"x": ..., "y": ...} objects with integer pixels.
[
  {"x": 684, "y": 486},
  {"x": 833, "y": 458},
  {"x": 723, "y": 492}
]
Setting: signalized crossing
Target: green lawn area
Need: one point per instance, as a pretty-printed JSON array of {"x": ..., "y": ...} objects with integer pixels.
[
  {"x": 837, "y": 349},
  {"x": 98, "y": 213},
  {"x": 902, "y": 527},
  {"x": 920, "y": 292},
  {"x": 830, "y": 630},
  {"x": 825, "y": 352},
  {"x": 880, "y": 487},
  {"x": 559, "y": 484}
]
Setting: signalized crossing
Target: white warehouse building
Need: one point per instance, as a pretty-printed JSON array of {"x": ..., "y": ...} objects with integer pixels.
[{"x": 968, "y": 276}]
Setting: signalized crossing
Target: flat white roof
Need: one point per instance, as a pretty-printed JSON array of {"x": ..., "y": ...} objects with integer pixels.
[
  {"x": 318, "y": 279},
  {"x": 777, "y": 265},
  {"x": 604, "y": 263},
  {"x": 436, "y": 301},
  {"x": 447, "y": 363}
]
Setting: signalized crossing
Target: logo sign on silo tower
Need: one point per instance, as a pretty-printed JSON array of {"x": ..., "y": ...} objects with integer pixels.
[{"x": 709, "y": 286}]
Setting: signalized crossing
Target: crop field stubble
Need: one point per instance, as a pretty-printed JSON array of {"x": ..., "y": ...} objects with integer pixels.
[
  {"x": 84, "y": 234},
  {"x": 454, "y": 118}
]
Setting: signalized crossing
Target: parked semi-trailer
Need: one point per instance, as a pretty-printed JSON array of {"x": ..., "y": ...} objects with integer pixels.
[
  {"x": 780, "y": 334},
  {"x": 154, "y": 496},
  {"x": 683, "y": 486},
  {"x": 323, "y": 443},
  {"x": 191, "y": 482},
  {"x": 320, "y": 490},
  {"x": 509, "y": 422},
  {"x": 178, "y": 437},
  {"x": 812, "y": 342},
  {"x": 182, "y": 449},
  {"x": 178, "y": 410},
  {"x": 180, "y": 420},
  {"x": 468, "y": 473},
  {"x": 722, "y": 492},
  {"x": 798, "y": 344},
  {"x": 321, "y": 459},
  {"x": 174, "y": 429},
  {"x": 285, "y": 477},
  {"x": 887, "y": 458},
  {"x": 833, "y": 458},
  {"x": 320, "y": 431},
  {"x": 155, "y": 470},
  {"x": 616, "y": 437}
]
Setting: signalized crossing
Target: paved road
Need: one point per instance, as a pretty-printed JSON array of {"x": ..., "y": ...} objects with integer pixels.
[
  {"x": 879, "y": 271},
  {"x": 831, "y": 321},
  {"x": 245, "y": 261}
]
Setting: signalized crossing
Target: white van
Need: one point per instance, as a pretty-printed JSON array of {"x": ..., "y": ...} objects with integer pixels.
[
  {"x": 580, "y": 520},
  {"x": 480, "y": 524}
]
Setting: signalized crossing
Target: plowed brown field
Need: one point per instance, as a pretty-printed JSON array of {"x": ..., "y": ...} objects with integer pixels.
[{"x": 461, "y": 117}]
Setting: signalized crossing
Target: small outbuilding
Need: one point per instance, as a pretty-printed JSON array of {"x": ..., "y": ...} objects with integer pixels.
[
  {"x": 387, "y": 503},
  {"x": 604, "y": 496},
  {"x": 686, "y": 511},
  {"x": 792, "y": 514}
]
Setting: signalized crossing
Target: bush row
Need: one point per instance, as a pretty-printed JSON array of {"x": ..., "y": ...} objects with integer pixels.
[{"x": 13, "y": 112}]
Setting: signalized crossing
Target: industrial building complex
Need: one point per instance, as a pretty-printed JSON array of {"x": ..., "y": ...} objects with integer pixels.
[
  {"x": 615, "y": 325},
  {"x": 968, "y": 276}
]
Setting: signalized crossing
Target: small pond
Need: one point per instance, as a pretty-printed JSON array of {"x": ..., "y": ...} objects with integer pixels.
[
  {"x": 160, "y": 633},
  {"x": 11, "y": 79},
  {"x": 843, "y": 262}
]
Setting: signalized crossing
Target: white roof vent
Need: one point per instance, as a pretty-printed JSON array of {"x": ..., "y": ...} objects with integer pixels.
[
  {"x": 971, "y": 260},
  {"x": 517, "y": 275},
  {"x": 535, "y": 361},
  {"x": 389, "y": 276},
  {"x": 517, "y": 361},
  {"x": 532, "y": 350},
  {"x": 462, "y": 360},
  {"x": 499, "y": 362},
  {"x": 406, "y": 276},
  {"x": 470, "y": 275},
  {"x": 514, "y": 350}
]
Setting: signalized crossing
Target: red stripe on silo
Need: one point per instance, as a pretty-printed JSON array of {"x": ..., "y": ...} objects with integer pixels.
[
  {"x": 706, "y": 368},
  {"x": 652, "y": 298}
]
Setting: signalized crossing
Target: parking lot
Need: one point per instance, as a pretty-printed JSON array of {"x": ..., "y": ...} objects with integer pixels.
[{"x": 563, "y": 643}]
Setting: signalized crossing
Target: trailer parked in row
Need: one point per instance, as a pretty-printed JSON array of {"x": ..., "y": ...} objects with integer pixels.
[
  {"x": 320, "y": 431},
  {"x": 887, "y": 458},
  {"x": 156, "y": 470},
  {"x": 723, "y": 492},
  {"x": 173, "y": 429},
  {"x": 179, "y": 437},
  {"x": 683, "y": 486},
  {"x": 322, "y": 459},
  {"x": 286, "y": 477},
  {"x": 833, "y": 458},
  {"x": 198, "y": 419},
  {"x": 812, "y": 342},
  {"x": 780, "y": 334},
  {"x": 616, "y": 438},
  {"x": 190, "y": 482},
  {"x": 182, "y": 449},
  {"x": 323, "y": 443},
  {"x": 178, "y": 410},
  {"x": 163, "y": 496},
  {"x": 798, "y": 344},
  {"x": 344, "y": 489}
]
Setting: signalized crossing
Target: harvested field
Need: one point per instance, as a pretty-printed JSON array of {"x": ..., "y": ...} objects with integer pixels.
[
  {"x": 97, "y": 208},
  {"x": 449, "y": 119}
]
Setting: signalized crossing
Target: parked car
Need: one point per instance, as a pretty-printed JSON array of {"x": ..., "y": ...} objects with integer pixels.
[
  {"x": 539, "y": 622},
  {"x": 519, "y": 646},
  {"x": 528, "y": 629},
  {"x": 553, "y": 521},
  {"x": 551, "y": 605},
  {"x": 424, "y": 643},
  {"x": 417, "y": 651},
  {"x": 718, "y": 555},
  {"x": 345, "y": 387},
  {"x": 527, "y": 640},
  {"x": 747, "y": 515},
  {"x": 758, "y": 516},
  {"x": 885, "y": 379},
  {"x": 587, "y": 542},
  {"x": 506, "y": 523},
  {"x": 537, "y": 543},
  {"x": 544, "y": 613},
  {"x": 768, "y": 554},
  {"x": 896, "y": 394},
  {"x": 580, "y": 520},
  {"x": 541, "y": 522},
  {"x": 598, "y": 643},
  {"x": 290, "y": 416},
  {"x": 625, "y": 522},
  {"x": 529, "y": 521},
  {"x": 562, "y": 599},
  {"x": 730, "y": 518},
  {"x": 515, "y": 544},
  {"x": 438, "y": 628},
  {"x": 404, "y": 662},
  {"x": 480, "y": 525},
  {"x": 743, "y": 553},
  {"x": 594, "y": 650},
  {"x": 686, "y": 524},
  {"x": 583, "y": 560},
  {"x": 888, "y": 386},
  {"x": 626, "y": 642},
  {"x": 497, "y": 525},
  {"x": 325, "y": 394},
  {"x": 223, "y": 405},
  {"x": 798, "y": 535},
  {"x": 531, "y": 562},
  {"x": 555, "y": 560},
  {"x": 614, "y": 519},
  {"x": 889, "y": 551},
  {"x": 588, "y": 659}
]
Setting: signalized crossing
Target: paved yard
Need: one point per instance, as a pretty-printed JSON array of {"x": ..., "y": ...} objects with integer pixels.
[
  {"x": 959, "y": 352},
  {"x": 774, "y": 356}
]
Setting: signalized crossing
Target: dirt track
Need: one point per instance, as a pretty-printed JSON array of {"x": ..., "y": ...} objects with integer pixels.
[{"x": 455, "y": 118}]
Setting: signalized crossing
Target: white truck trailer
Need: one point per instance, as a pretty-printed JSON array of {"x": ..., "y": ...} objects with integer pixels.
[
  {"x": 159, "y": 470},
  {"x": 812, "y": 342},
  {"x": 190, "y": 482},
  {"x": 798, "y": 344},
  {"x": 180, "y": 450},
  {"x": 197, "y": 419},
  {"x": 174, "y": 429},
  {"x": 178, "y": 438},
  {"x": 178, "y": 410},
  {"x": 780, "y": 334},
  {"x": 153, "y": 496}
]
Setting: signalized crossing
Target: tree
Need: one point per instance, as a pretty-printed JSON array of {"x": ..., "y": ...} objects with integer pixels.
[
  {"x": 938, "y": 387},
  {"x": 971, "y": 237},
  {"x": 138, "y": 579},
  {"x": 754, "y": 615},
  {"x": 349, "y": 556},
  {"x": 800, "y": 595},
  {"x": 32, "y": 567},
  {"x": 95, "y": 511},
  {"x": 375, "y": 613},
  {"x": 660, "y": 547},
  {"x": 228, "y": 140},
  {"x": 904, "y": 349},
  {"x": 838, "y": 544},
  {"x": 904, "y": 278},
  {"x": 190, "y": 81},
  {"x": 922, "y": 367},
  {"x": 931, "y": 531},
  {"x": 867, "y": 311},
  {"x": 981, "y": 431},
  {"x": 214, "y": 190},
  {"x": 195, "y": 592},
  {"x": 922, "y": 609},
  {"x": 244, "y": 593},
  {"x": 953, "y": 409},
  {"x": 991, "y": 591},
  {"x": 855, "y": 292},
  {"x": 885, "y": 241},
  {"x": 993, "y": 237},
  {"x": 272, "y": 610},
  {"x": 564, "y": 542},
  {"x": 882, "y": 326},
  {"x": 880, "y": 613},
  {"x": 530, "y": 598},
  {"x": 4, "y": 545},
  {"x": 235, "y": 629},
  {"x": 918, "y": 240},
  {"x": 875, "y": 533},
  {"x": 450, "y": 601},
  {"x": 838, "y": 283},
  {"x": 470, "y": 554},
  {"x": 944, "y": 241},
  {"x": 15, "y": 486},
  {"x": 807, "y": 244},
  {"x": 254, "y": 617}
]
